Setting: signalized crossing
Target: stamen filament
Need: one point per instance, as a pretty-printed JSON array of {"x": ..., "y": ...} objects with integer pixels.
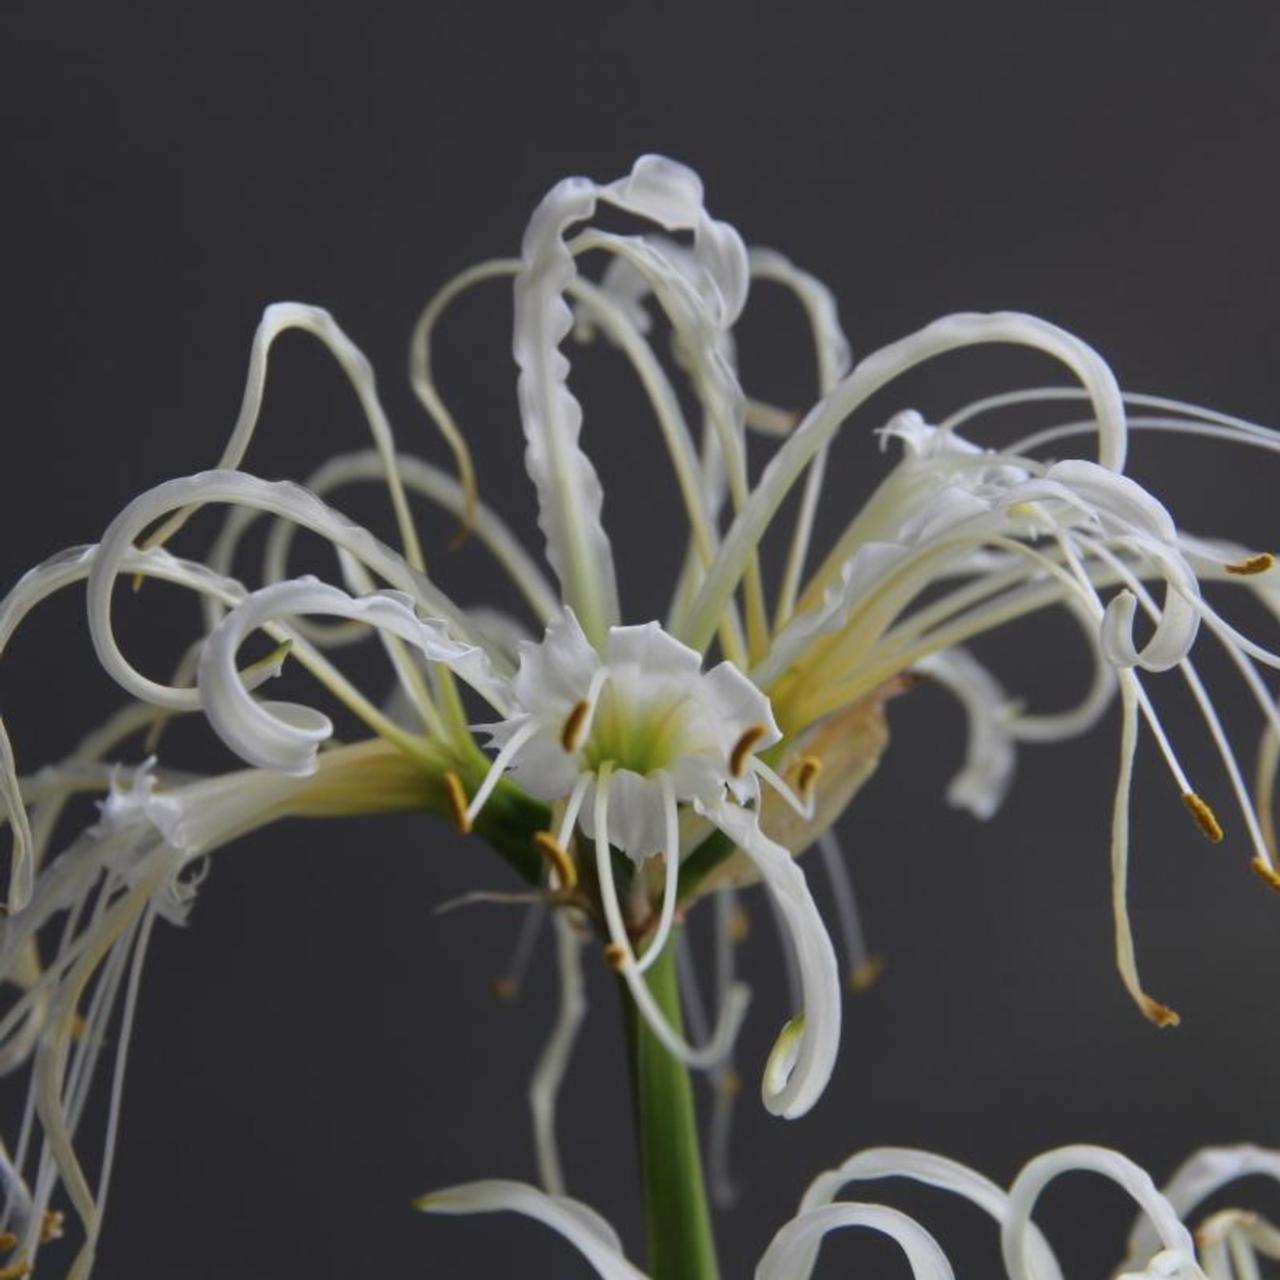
[
  {"x": 671, "y": 862},
  {"x": 509, "y": 983},
  {"x": 801, "y": 804},
  {"x": 623, "y": 958},
  {"x": 505, "y": 755},
  {"x": 863, "y": 967},
  {"x": 1159, "y": 1014}
]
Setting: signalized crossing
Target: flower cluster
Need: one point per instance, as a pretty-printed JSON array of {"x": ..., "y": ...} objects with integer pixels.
[
  {"x": 1227, "y": 1244},
  {"x": 636, "y": 766}
]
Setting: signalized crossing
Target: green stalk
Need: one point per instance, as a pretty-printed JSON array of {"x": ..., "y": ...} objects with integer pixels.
[{"x": 681, "y": 1246}]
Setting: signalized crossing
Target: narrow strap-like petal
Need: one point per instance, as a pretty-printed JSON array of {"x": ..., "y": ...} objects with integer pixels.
[
  {"x": 788, "y": 1253},
  {"x": 1196, "y": 1179},
  {"x": 805, "y": 1054},
  {"x": 934, "y": 1171},
  {"x": 286, "y": 736},
  {"x": 1038, "y": 1173},
  {"x": 697, "y": 624},
  {"x": 585, "y": 1229},
  {"x": 277, "y": 319},
  {"x": 570, "y": 496}
]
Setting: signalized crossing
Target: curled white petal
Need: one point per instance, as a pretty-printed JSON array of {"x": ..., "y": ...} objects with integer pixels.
[
  {"x": 1038, "y": 1173},
  {"x": 434, "y": 484},
  {"x": 112, "y": 557},
  {"x": 799, "y": 1239},
  {"x": 1170, "y": 641},
  {"x": 1168, "y": 1264},
  {"x": 805, "y": 1056},
  {"x": 569, "y": 492},
  {"x": 1197, "y": 1178},
  {"x": 983, "y": 782},
  {"x": 286, "y": 736},
  {"x": 580, "y": 1225},
  {"x": 277, "y": 319},
  {"x": 931, "y": 1170},
  {"x": 696, "y": 625}
]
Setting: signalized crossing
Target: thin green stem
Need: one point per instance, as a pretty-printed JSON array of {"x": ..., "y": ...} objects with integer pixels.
[{"x": 681, "y": 1246}]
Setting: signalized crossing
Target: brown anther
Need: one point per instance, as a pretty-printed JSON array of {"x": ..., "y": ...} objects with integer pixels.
[
  {"x": 744, "y": 746},
  {"x": 79, "y": 1027},
  {"x": 739, "y": 924},
  {"x": 807, "y": 775},
  {"x": 7, "y": 1241},
  {"x": 730, "y": 1083},
  {"x": 1205, "y": 818},
  {"x": 1159, "y": 1014},
  {"x": 864, "y": 976},
  {"x": 51, "y": 1225},
  {"x": 555, "y": 853},
  {"x": 15, "y": 1271},
  {"x": 503, "y": 988},
  {"x": 1251, "y": 565},
  {"x": 909, "y": 680},
  {"x": 457, "y": 797},
  {"x": 571, "y": 734},
  {"x": 1266, "y": 872},
  {"x": 616, "y": 955}
]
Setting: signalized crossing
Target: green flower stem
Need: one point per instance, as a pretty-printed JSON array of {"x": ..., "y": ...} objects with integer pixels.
[{"x": 681, "y": 1246}]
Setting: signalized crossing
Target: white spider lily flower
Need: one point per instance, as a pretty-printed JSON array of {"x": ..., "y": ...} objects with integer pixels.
[
  {"x": 725, "y": 740},
  {"x": 620, "y": 742},
  {"x": 1169, "y": 1251},
  {"x": 599, "y": 1244},
  {"x": 139, "y": 861}
]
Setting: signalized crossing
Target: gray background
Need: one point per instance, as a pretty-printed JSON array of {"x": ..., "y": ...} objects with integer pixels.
[{"x": 317, "y": 1048}]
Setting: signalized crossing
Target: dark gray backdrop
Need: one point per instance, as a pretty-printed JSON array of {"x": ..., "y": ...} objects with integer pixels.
[{"x": 317, "y": 1047}]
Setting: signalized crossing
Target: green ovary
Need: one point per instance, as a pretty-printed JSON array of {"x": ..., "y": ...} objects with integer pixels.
[{"x": 640, "y": 735}]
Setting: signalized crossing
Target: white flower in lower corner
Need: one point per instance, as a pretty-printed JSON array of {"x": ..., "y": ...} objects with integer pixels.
[{"x": 1161, "y": 1247}]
